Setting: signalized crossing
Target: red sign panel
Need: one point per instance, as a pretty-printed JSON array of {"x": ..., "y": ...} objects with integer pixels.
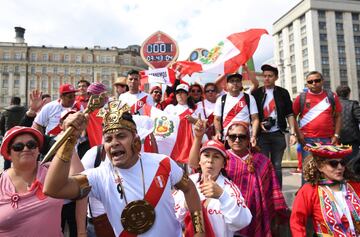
[{"x": 159, "y": 50}]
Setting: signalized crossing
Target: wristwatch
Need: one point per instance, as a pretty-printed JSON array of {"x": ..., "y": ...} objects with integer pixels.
[
  {"x": 293, "y": 134},
  {"x": 337, "y": 136}
]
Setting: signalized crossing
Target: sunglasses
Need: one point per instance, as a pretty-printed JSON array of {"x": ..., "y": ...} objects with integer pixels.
[
  {"x": 241, "y": 137},
  {"x": 210, "y": 91},
  {"x": 31, "y": 145},
  {"x": 312, "y": 81},
  {"x": 335, "y": 163},
  {"x": 157, "y": 92}
]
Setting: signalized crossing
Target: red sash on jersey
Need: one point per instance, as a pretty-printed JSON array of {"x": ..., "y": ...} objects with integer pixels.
[
  {"x": 184, "y": 139},
  {"x": 234, "y": 111},
  {"x": 269, "y": 109},
  {"x": 138, "y": 105},
  {"x": 156, "y": 188}
]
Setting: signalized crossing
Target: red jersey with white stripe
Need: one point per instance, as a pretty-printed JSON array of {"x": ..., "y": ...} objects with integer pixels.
[{"x": 317, "y": 119}]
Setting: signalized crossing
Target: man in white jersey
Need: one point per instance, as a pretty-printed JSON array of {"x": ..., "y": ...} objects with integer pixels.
[
  {"x": 235, "y": 106},
  {"x": 275, "y": 108},
  {"x": 134, "y": 97},
  {"x": 135, "y": 187}
]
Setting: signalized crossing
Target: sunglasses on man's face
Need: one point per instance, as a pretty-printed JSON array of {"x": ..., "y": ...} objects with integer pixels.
[
  {"x": 313, "y": 81},
  {"x": 335, "y": 163},
  {"x": 241, "y": 137},
  {"x": 20, "y": 146}
]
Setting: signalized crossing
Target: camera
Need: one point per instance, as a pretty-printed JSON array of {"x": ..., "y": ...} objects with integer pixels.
[{"x": 268, "y": 123}]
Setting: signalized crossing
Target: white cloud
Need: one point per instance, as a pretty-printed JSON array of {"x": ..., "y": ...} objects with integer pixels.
[{"x": 193, "y": 23}]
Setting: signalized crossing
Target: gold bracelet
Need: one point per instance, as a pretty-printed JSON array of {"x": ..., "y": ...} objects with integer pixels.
[
  {"x": 66, "y": 150},
  {"x": 197, "y": 220}
]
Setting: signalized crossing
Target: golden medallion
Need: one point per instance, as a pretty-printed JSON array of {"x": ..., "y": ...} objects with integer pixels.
[{"x": 138, "y": 217}]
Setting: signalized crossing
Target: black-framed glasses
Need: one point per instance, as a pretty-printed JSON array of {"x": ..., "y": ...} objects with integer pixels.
[
  {"x": 312, "y": 81},
  {"x": 335, "y": 163},
  {"x": 210, "y": 91},
  {"x": 241, "y": 137},
  {"x": 31, "y": 145}
]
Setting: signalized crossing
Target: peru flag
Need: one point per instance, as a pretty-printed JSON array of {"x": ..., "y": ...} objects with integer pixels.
[
  {"x": 227, "y": 56},
  {"x": 158, "y": 76}
]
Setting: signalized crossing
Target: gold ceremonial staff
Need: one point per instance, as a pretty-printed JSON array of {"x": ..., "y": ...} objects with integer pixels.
[{"x": 95, "y": 102}]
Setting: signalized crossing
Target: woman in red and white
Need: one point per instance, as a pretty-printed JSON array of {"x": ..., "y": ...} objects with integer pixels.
[{"x": 224, "y": 209}]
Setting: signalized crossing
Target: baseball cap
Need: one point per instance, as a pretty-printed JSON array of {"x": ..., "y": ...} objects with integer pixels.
[
  {"x": 268, "y": 67},
  {"x": 216, "y": 145},
  {"x": 155, "y": 88},
  {"x": 183, "y": 87},
  {"x": 234, "y": 75},
  {"x": 67, "y": 88}
]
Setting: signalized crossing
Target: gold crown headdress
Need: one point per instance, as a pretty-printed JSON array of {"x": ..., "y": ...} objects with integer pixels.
[{"x": 113, "y": 118}]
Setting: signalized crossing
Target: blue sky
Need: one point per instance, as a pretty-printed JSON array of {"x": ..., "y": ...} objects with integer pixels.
[{"x": 192, "y": 23}]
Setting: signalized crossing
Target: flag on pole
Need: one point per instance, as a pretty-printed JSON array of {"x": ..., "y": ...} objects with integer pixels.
[{"x": 227, "y": 56}]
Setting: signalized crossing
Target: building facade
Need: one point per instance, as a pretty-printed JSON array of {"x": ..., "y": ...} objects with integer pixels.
[
  {"x": 321, "y": 35},
  {"x": 24, "y": 68}
]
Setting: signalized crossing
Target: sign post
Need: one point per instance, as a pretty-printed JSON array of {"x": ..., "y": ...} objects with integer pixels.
[{"x": 159, "y": 50}]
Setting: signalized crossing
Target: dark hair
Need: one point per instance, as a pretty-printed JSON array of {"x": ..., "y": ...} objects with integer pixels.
[
  {"x": 45, "y": 96},
  {"x": 211, "y": 84},
  {"x": 83, "y": 80},
  {"x": 196, "y": 85},
  {"x": 15, "y": 100},
  {"x": 343, "y": 91},
  {"x": 236, "y": 75},
  {"x": 132, "y": 71},
  {"x": 314, "y": 73}
]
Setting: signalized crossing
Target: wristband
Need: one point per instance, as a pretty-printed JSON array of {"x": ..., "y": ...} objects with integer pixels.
[
  {"x": 66, "y": 150},
  {"x": 197, "y": 220},
  {"x": 337, "y": 135}
]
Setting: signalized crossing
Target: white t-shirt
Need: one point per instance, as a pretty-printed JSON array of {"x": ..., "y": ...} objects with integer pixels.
[
  {"x": 131, "y": 99},
  {"x": 88, "y": 161},
  {"x": 175, "y": 109},
  {"x": 209, "y": 109},
  {"x": 273, "y": 114},
  {"x": 230, "y": 102},
  {"x": 227, "y": 214},
  {"x": 49, "y": 115},
  {"x": 104, "y": 189}
]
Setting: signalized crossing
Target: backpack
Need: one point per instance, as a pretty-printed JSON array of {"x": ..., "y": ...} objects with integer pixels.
[
  {"x": 100, "y": 155},
  {"x": 329, "y": 95},
  {"x": 223, "y": 99}
]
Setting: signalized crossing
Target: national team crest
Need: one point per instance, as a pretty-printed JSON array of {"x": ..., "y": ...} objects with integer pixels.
[
  {"x": 241, "y": 104},
  {"x": 160, "y": 181},
  {"x": 163, "y": 127},
  {"x": 213, "y": 55}
]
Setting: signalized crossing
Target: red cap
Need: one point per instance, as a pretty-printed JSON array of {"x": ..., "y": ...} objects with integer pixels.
[
  {"x": 154, "y": 88},
  {"x": 328, "y": 150},
  {"x": 67, "y": 88},
  {"x": 216, "y": 145},
  {"x": 13, "y": 133}
]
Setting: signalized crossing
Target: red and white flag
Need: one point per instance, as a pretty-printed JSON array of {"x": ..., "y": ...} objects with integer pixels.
[
  {"x": 158, "y": 76},
  {"x": 227, "y": 56},
  {"x": 173, "y": 134}
]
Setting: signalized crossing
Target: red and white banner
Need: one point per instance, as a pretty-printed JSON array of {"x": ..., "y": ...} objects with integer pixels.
[
  {"x": 227, "y": 56},
  {"x": 158, "y": 76}
]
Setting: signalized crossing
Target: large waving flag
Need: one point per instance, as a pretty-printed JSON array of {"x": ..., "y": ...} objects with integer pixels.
[
  {"x": 227, "y": 56},
  {"x": 158, "y": 76},
  {"x": 173, "y": 134}
]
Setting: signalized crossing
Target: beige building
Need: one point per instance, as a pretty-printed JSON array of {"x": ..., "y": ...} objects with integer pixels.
[
  {"x": 321, "y": 35},
  {"x": 24, "y": 68}
]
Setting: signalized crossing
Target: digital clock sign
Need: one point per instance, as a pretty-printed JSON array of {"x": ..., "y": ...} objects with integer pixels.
[{"x": 159, "y": 50}]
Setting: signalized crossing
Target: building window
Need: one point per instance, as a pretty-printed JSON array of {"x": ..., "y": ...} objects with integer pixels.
[
  {"x": 88, "y": 71},
  {"x": 323, "y": 37},
  {"x": 89, "y": 58},
  {"x": 358, "y": 61},
  {"x": 357, "y": 50},
  {"x": 77, "y": 71},
  {"x": 17, "y": 56},
  {"x": 33, "y": 56},
  {"x": 44, "y": 70},
  {"x": 324, "y": 60},
  {"x": 66, "y": 58},
  {"x": 108, "y": 59},
  {"x": 304, "y": 41},
  {"x": 294, "y": 90},
  {"x": 356, "y": 27},
  {"x": 16, "y": 83},
  {"x": 293, "y": 80},
  {"x": 321, "y": 14},
  {"x": 78, "y": 58},
  {"x": 341, "y": 49},
  {"x": 306, "y": 63},
  {"x": 291, "y": 37},
  {"x": 280, "y": 35},
  {"x": 16, "y": 70},
  {"x": 6, "y": 56},
  {"x": 292, "y": 58},
  {"x": 66, "y": 71},
  {"x": 322, "y": 25},
  {"x": 32, "y": 69},
  {"x": 357, "y": 39},
  {"x": 324, "y": 49},
  {"x": 55, "y": 70},
  {"x": 339, "y": 26},
  {"x": 302, "y": 19},
  {"x": 56, "y": 57},
  {"x": 44, "y": 84},
  {"x": 292, "y": 48},
  {"x": 290, "y": 27},
  {"x": 355, "y": 16},
  {"x": 32, "y": 84},
  {"x": 342, "y": 61},
  {"x": 281, "y": 54},
  {"x": 338, "y": 15},
  {"x": 280, "y": 44},
  {"x": 293, "y": 69},
  {"x": 45, "y": 57},
  {"x": 326, "y": 72},
  {"x": 340, "y": 38},
  {"x": 303, "y": 30},
  {"x": 305, "y": 52},
  {"x": 5, "y": 83},
  {"x": 343, "y": 73},
  {"x": 103, "y": 59}
]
